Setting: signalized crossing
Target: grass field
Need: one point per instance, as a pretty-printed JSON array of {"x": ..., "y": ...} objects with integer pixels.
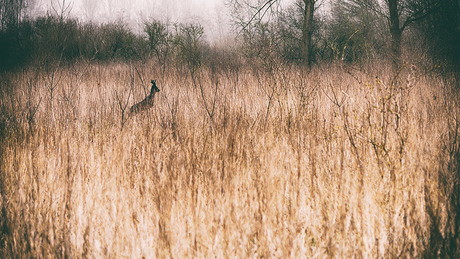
[{"x": 277, "y": 163}]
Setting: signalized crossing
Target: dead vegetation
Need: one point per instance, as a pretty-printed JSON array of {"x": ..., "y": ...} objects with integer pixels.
[{"x": 273, "y": 164}]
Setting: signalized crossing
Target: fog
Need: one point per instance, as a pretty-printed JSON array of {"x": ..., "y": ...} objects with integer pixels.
[{"x": 213, "y": 15}]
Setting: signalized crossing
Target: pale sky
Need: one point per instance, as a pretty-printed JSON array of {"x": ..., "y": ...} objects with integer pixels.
[{"x": 212, "y": 14}]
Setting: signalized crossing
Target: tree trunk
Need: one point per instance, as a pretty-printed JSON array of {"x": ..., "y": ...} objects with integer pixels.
[
  {"x": 396, "y": 35},
  {"x": 307, "y": 32}
]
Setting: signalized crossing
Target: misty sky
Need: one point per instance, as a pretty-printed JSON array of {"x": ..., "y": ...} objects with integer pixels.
[{"x": 212, "y": 14}]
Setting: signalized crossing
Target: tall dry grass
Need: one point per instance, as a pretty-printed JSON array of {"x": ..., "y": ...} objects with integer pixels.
[{"x": 277, "y": 163}]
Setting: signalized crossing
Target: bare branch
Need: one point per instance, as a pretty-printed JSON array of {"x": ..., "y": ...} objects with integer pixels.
[
  {"x": 421, "y": 14},
  {"x": 269, "y": 3}
]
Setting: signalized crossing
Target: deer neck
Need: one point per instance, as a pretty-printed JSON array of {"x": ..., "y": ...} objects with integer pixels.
[{"x": 150, "y": 98}]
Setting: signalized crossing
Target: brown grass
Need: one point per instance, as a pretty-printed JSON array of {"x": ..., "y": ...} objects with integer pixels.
[{"x": 277, "y": 164}]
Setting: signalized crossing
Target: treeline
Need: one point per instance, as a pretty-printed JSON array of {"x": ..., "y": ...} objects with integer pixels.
[
  {"x": 353, "y": 31},
  {"x": 50, "y": 40}
]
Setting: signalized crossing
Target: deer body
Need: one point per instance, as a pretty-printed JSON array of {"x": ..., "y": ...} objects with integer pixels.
[{"x": 147, "y": 103}]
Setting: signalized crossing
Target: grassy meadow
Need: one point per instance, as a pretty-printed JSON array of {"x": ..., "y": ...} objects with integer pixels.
[{"x": 242, "y": 163}]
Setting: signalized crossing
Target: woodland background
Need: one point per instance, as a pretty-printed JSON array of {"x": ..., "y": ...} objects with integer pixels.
[{"x": 318, "y": 129}]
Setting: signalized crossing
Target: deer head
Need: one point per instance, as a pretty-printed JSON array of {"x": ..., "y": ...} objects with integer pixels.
[{"x": 154, "y": 88}]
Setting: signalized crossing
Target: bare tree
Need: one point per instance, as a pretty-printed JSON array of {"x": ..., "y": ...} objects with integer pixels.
[
  {"x": 441, "y": 31},
  {"x": 307, "y": 31},
  {"x": 159, "y": 39},
  {"x": 400, "y": 14},
  {"x": 62, "y": 8},
  {"x": 12, "y": 12},
  {"x": 262, "y": 8}
]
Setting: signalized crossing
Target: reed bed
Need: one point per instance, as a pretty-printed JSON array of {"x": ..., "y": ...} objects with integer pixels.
[{"x": 274, "y": 163}]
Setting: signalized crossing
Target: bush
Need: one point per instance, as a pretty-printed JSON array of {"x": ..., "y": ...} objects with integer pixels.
[
  {"x": 15, "y": 45},
  {"x": 49, "y": 40}
]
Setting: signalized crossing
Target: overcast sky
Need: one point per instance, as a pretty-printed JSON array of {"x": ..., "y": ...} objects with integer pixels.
[{"x": 212, "y": 14}]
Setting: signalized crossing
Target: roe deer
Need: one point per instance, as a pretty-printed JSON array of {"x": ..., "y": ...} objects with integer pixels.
[{"x": 145, "y": 104}]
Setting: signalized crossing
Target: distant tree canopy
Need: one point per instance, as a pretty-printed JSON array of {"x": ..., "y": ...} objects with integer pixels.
[
  {"x": 441, "y": 32},
  {"x": 48, "y": 39},
  {"x": 352, "y": 31},
  {"x": 246, "y": 12},
  {"x": 12, "y": 12}
]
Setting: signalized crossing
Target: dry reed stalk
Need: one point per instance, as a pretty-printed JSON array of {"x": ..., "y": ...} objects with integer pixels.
[{"x": 336, "y": 167}]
